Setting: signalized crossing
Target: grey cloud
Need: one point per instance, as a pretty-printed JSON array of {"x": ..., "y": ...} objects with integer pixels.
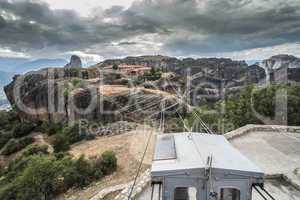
[
  {"x": 127, "y": 43},
  {"x": 185, "y": 26}
]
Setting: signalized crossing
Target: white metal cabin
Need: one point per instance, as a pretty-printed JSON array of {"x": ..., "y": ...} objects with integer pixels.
[{"x": 202, "y": 166}]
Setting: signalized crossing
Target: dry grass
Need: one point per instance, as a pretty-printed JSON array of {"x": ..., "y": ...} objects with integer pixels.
[{"x": 129, "y": 149}]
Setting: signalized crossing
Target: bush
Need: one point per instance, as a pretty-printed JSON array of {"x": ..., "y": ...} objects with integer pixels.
[
  {"x": 44, "y": 176},
  {"x": 4, "y": 138},
  {"x": 61, "y": 155},
  {"x": 39, "y": 180},
  {"x": 8, "y": 120},
  {"x": 50, "y": 128},
  {"x": 8, "y": 192},
  {"x": 14, "y": 145},
  {"x": 84, "y": 172},
  {"x": 109, "y": 162},
  {"x": 73, "y": 133},
  {"x": 60, "y": 143},
  {"x": 70, "y": 135},
  {"x": 35, "y": 149},
  {"x": 22, "y": 129}
]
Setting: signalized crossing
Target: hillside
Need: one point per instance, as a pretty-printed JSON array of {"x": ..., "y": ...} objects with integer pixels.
[{"x": 114, "y": 105}]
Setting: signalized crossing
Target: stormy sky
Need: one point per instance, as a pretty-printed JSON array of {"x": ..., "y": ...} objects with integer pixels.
[{"x": 97, "y": 29}]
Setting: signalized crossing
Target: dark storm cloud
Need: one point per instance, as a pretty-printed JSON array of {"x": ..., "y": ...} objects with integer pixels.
[
  {"x": 183, "y": 26},
  {"x": 34, "y": 26},
  {"x": 224, "y": 25}
]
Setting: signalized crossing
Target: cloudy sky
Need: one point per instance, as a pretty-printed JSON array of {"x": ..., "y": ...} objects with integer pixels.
[{"x": 97, "y": 29}]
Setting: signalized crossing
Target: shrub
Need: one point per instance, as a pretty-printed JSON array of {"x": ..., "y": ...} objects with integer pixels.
[
  {"x": 35, "y": 149},
  {"x": 73, "y": 133},
  {"x": 8, "y": 192},
  {"x": 84, "y": 172},
  {"x": 70, "y": 135},
  {"x": 60, "y": 143},
  {"x": 8, "y": 119},
  {"x": 4, "y": 118},
  {"x": 109, "y": 162},
  {"x": 44, "y": 176},
  {"x": 4, "y": 138},
  {"x": 50, "y": 128},
  {"x": 61, "y": 155},
  {"x": 54, "y": 128},
  {"x": 16, "y": 166},
  {"x": 14, "y": 145},
  {"x": 77, "y": 173},
  {"x": 22, "y": 129},
  {"x": 39, "y": 180}
]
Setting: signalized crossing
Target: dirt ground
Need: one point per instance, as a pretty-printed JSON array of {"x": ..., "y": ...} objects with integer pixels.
[{"x": 129, "y": 148}]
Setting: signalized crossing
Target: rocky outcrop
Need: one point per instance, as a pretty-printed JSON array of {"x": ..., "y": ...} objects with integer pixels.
[
  {"x": 216, "y": 71},
  {"x": 282, "y": 68},
  {"x": 69, "y": 94},
  {"x": 255, "y": 75},
  {"x": 74, "y": 63},
  {"x": 210, "y": 77},
  {"x": 60, "y": 94},
  {"x": 279, "y": 61}
]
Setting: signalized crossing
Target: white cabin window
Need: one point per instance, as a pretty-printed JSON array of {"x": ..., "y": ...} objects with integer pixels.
[
  {"x": 230, "y": 194},
  {"x": 185, "y": 193}
]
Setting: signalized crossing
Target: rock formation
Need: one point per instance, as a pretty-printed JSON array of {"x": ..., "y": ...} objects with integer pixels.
[
  {"x": 58, "y": 94},
  {"x": 70, "y": 94},
  {"x": 75, "y": 62},
  {"x": 282, "y": 68}
]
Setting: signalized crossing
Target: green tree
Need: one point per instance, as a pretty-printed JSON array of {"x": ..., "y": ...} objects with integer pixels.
[
  {"x": 60, "y": 143},
  {"x": 39, "y": 180}
]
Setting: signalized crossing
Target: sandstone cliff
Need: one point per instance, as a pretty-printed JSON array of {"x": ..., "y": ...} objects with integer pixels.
[
  {"x": 214, "y": 70},
  {"x": 69, "y": 94},
  {"x": 75, "y": 62},
  {"x": 282, "y": 68}
]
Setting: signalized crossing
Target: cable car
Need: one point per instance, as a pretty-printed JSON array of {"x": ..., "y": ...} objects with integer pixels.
[{"x": 197, "y": 166}]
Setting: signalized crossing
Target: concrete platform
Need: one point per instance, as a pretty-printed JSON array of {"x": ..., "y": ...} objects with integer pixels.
[
  {"x": 277, "y": 153},
  {"x": 273, "y": 152}
]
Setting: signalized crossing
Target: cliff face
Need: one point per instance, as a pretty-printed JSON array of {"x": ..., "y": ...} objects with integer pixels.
[
  {"x": 71, "y": 93},
  {"x": 32, "y": 93},
  {"x": 213, "y": 70},
  {"x": 75, "y": 62},
  {"x": 282, "y": 68},
  {"x": 66, "y": 95}
]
